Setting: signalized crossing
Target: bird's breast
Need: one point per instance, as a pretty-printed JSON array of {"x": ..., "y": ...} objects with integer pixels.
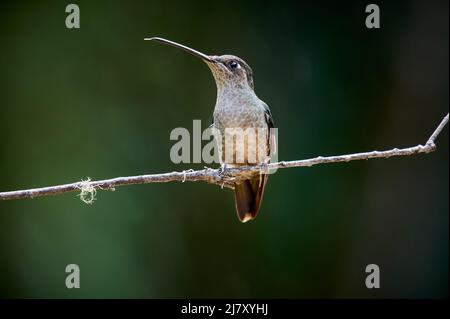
[{"x": 238, "y": 112}]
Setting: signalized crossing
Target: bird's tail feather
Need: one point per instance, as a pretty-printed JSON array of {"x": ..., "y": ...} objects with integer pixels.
[{"x": 248, "y": 196}]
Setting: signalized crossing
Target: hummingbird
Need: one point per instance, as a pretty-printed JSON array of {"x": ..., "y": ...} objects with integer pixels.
[{"x": 238, "y": 109}]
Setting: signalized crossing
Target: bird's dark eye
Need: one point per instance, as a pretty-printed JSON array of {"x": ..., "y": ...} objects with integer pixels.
[{"x": 233, "y": 64}]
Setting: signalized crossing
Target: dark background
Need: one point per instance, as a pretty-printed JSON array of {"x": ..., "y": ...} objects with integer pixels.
[{"x": 100, "y": 102}]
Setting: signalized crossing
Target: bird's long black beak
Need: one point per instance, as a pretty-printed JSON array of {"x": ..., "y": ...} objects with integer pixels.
[{"x": 182, "y": 47}]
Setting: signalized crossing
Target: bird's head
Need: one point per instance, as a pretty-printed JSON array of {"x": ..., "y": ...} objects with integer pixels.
[{"x": 228, "y": 70}]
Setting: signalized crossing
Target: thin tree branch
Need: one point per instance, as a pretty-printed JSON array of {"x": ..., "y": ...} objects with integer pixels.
[{"x": 224, "y": 178}]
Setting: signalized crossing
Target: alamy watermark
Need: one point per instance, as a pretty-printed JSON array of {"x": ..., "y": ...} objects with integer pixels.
[
  {"x": 373, "y": 19},
  {"x": 373, "y": 277},
  {"x": 73, "y": 17},
  {"x": 242, "y": 146},
  {"x": 73, "y": 277}
]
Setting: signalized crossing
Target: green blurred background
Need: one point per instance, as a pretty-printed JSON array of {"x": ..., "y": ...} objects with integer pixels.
[{"x": 101, "y": 102}]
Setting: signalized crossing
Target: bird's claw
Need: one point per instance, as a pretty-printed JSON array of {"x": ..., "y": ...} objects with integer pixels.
[{"x": 221, "y": 171}]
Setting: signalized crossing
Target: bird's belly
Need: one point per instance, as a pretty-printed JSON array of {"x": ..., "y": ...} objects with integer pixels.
[{"x": 242, "y": 137}]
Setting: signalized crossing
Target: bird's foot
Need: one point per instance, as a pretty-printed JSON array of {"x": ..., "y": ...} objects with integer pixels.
[{"x": 221, "y": 171}]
